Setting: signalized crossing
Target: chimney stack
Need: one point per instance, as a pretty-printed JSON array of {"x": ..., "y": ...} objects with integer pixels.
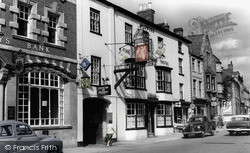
[
  {"x": 230, "y": 67},
  {"x": 146, "y": 11},
  {"x": 178, "y": 31}
]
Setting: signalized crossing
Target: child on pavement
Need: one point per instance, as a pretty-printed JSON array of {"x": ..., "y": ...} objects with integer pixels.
[{"x": 109, "y": 133}]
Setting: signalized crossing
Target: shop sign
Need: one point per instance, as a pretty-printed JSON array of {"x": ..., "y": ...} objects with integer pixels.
[
  {"x": 141, "y": 53},
  {"x": 85, "y": 64},
  {"x": 85, "y": 82},
  {"x": 141, "y": 39},
  {"x": 5, "y": 40},
  {"x": 39, "y": 48},
  {"x": 104, "y": 90}
]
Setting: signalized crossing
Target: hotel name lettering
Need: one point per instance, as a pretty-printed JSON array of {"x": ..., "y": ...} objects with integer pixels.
[{"x": 30, "y": 46}]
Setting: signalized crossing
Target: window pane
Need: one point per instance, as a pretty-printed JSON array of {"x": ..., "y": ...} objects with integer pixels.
[
  {"x": 94, "y": 21},
  {"x": 160, "y": 120},
  {"x": 45, "y": 103},
  {"x": 54, "y": 103}
]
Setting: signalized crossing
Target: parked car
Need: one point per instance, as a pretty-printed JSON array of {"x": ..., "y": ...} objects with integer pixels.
[
  {"x": 19, "y": 137},
  {"x": 199, "y": 125},
  {"x": 238, "y": 124}
]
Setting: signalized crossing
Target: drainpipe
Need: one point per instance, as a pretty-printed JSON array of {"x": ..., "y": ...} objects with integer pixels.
[{"x": 116, "y": 118}]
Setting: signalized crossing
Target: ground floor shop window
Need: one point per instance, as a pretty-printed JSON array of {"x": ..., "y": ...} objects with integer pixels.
[
  {"x": 135, "y": 115},
  {"x": 40, "y": 99},
  {"x": 164, "y": 115}
]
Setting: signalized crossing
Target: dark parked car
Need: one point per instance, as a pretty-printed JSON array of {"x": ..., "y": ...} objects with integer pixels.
[
  {"x": 19, "y": 137},
  {"x": 238, "y": 124},
  {"x": 199, "y": 125}
]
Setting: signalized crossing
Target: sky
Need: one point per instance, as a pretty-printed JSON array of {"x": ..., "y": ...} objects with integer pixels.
[{"x": 233, "y": 46}]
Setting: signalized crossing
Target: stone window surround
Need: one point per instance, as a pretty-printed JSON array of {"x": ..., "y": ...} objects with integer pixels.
[
  {"x": 61, "y": 25},
  {"x": 33, "y": 32},
  {"x": 2, "y": 20}
]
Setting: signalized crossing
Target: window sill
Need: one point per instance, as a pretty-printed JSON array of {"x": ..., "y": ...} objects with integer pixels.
[
  {"x": 134, "y": 88},
  {"x": 25, "y": 38},
  {"x": 181, "y": 53},
  {"x": 51, "y": 127},
  {"x": 164, "y": 126},
  {"x": 164, "y": 92},
  {"x": 96, "y": 33},
  {"x": 143, "y": 128},
  {"x": 54, "y": 45},
  {"x": 181, "y": 74}
]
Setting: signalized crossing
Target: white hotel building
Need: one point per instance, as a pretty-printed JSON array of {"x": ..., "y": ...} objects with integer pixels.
[{"x": 148, "y": 101}]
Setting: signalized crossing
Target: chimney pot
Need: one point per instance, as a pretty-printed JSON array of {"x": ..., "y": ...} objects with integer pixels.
[
  {"x": 178, "y": 31},
  {"x": 140, "y": 7},
  {"x": 150, "y": 5},
  {"x": 145, "y": 6}
]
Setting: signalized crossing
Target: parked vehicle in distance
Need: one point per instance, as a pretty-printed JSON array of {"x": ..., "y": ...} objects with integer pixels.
[
  {"x": 19, "y": 137},
  {"x": 238, "y": 124},
  {"x": 199, "y": 125}
]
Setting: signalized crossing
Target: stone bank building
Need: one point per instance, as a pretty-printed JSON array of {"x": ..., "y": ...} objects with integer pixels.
[{"x": 38, "y": 65}]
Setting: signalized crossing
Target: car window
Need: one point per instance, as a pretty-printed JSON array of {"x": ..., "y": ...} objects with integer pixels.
[
  {"x": 23, "y": 130},
  {"x": 6, "y": 130},
  {"x": 240, "y": 119},
  {"x": 196, "y": 119}
]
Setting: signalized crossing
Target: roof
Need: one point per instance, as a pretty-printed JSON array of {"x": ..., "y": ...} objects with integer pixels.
[
  {"x": 153, "y": 25},
  {"x": 196, "y": 45},
  {"x": 217, "y": 60}
]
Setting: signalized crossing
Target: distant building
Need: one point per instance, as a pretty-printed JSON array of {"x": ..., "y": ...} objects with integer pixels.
[
  {"x": 201, "y": 44},
  {"x": 197, "y": 80},
  {"x": 235, "y": 93},
  {"x": 220, "y": 87}
]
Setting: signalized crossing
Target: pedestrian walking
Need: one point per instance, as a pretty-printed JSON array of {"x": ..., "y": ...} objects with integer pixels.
[
  {"x": 220, "y": 121},
  {"x": 109, "y": 133}
]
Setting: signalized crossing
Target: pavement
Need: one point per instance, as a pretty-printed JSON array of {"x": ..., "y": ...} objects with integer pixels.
[{"x": 100, "y": 148}]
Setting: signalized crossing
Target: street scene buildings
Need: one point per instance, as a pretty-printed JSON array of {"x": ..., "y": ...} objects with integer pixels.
[{"x": 67, "y": 67}]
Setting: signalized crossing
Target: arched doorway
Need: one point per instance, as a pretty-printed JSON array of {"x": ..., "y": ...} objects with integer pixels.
[{"x": 94, "y": 115}]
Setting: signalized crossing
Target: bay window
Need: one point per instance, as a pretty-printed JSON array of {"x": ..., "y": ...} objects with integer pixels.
[{"x": 163, "y": 80}]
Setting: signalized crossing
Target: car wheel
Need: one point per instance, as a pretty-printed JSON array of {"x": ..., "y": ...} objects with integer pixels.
[
  {"x": 230, "y": 132},
  {"x": 185, "y": 135},
  {"x": 202, "y": 134},
  {"x": 212, "y": 133}
]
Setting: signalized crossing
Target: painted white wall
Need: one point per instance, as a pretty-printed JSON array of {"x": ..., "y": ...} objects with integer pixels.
[{"x": 113, "y": 31}]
